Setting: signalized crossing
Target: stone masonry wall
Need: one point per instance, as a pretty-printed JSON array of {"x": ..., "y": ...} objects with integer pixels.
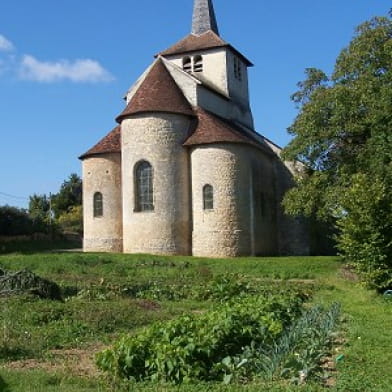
[
  {"x": 157, "y": 138},
  {"x": 225, "y": 230},
  {"x": 243, "y": 221},
  {"x": 264, "y": 210},
  {"x": 102, "y": 174},
  {"x": 214, "y": 67}
]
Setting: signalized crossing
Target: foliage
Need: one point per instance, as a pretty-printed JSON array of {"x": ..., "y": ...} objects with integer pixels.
[
  {"x": 50, "y": 324},
  {"x": 221, "y": 288},
  {"x": 366, "y": 230},
  {"x": 32, "y": 327},
  {"x": 35, "y": 245},
  {"x": 194, "y": 347},
  {"x": 39, "y": 207},
  {"x": 298, "y": 353},
  {"x": 67, "y": 211},
  {"x": 69, "y": 195},
  {"x": 343, "y": 136},
  {"x": 72, "y": 221},
  {"x": 15, "y": 221}
]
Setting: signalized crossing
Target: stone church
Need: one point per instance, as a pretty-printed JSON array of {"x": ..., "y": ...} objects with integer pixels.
[{"x": 184, "y": 172}]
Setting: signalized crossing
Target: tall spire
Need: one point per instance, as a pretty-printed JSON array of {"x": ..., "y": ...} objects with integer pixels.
[{"x": 204, "y": 17}]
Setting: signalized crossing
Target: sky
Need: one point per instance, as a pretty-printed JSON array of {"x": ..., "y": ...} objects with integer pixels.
[{"x": 65, "y": 66}]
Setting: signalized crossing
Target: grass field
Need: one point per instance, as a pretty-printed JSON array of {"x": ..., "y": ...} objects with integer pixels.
[{"x": 49, "y": 345}]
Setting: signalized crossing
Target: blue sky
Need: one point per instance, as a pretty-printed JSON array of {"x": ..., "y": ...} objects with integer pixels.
[{"x": 65, "y": 65}]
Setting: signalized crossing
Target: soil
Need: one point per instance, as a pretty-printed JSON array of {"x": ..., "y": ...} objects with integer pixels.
[
  {"x": 348, "y": 273},
  {"x": 78, "y": 362}
]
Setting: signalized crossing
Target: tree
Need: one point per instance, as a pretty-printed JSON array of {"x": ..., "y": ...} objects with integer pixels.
[
  {"x": 72, "y": 221},
  {"x": 39, "y": 207},
  {"x": 15, "y": 221},
  {"x": 70, "y": 195},
  {"x": 343, "y": 135}
]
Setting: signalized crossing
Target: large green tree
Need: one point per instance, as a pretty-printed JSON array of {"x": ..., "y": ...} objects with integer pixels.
[
  {"x": 69, "y": 195},
  {"x": 67, "y": 205},
  {"x": 343, "y": 135},
  {"x": 39, "y": 207}
]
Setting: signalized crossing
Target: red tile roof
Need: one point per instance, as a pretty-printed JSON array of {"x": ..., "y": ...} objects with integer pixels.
[
  {"x": 213, "y": 129},
  {"x": 111, "y": 143},
  {"x": 192, "y": 43},
  {"x": 209, "y": 129},
  {"x": 157, "y": 93}
]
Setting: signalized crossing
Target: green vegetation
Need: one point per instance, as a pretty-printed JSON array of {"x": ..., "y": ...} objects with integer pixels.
[
  {"x": 52, "y": 215},
  {"x": 15, "y": 221},
  {"x": 202, "y": 347},
  {"x": 50, "y": 345},
  {"x": 343, "y": 136},
  {"x": 31, "y": 246}
]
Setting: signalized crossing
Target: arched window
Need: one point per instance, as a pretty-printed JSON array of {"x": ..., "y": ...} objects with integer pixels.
[
  {"x": 187, "y": 64},
  {"x": 144, "y": 187},
  {"x": 98, "y": 204},
  {"x": 208, "y": 197},
  {"x": 198, "y": 64}
]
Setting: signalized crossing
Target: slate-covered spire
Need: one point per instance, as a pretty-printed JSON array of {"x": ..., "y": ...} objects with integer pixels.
[{"x": 204, "y": 17}]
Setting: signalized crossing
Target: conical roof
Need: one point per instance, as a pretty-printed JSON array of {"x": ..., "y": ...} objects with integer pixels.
[
  {"x": 111, "y": 143},
  {"x": 157, "y": 93},
  {"x": 212, "y": 129}
]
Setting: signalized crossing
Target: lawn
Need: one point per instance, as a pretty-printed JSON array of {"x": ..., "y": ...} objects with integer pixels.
[{"x": 49, "y": 345}]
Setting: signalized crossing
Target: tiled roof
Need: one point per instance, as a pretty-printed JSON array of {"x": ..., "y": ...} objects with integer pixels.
[
  {"x": 192, "y": 42},
  {"x": 157, "y": 93},
  {"x": 213, "y": 129},
  {"x": 109, "y": 144}
]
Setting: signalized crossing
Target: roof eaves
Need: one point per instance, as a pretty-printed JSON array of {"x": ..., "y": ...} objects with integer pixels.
[{"x": 96, "y": 154}]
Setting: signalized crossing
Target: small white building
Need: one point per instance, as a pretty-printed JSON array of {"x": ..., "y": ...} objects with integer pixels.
[{"x": 185, "y": 172}]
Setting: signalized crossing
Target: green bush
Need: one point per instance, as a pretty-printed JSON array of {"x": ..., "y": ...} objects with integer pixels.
[{"x": 366, "y": 230}]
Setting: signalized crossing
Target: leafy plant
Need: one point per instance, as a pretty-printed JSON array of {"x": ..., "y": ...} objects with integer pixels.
[{"x": 194, "y": 347}]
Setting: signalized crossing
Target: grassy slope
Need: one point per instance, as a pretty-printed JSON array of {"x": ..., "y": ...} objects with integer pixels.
[{"x": 368, "y": 358}]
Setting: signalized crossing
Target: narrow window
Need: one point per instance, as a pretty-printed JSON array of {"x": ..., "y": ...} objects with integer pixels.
[
  {"x": 237, "y": 69},
  {"x": 208, "y": 197},
  {"x": 239, "y": 66},
  {"x": 144, "y": 187},
  {"x": 198, "y": 64},
  {"x": 187, "y": 64},
  {"x": 98, "y": 205}
]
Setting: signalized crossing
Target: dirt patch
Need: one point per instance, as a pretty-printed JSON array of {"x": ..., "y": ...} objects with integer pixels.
[
  {"x": 329, "y": 367},
  {"x": 147, "y": 304},
  {"x": 349, "y": 273},
  {"x": 77, "y": 362},
  {"x": 292, "y": 280}
]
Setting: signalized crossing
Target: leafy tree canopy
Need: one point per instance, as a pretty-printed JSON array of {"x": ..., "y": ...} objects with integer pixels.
[
  {"x": 70, "y": 195},
  {"x": 16, "y": 221},
  {"x": 343, "y": 135},
  {"x": 39, "y": 207}
]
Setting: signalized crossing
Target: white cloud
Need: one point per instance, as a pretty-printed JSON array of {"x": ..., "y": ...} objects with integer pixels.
[
  {"x": 5, "y": 44},
  {"x": 84, "y": 70}
]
